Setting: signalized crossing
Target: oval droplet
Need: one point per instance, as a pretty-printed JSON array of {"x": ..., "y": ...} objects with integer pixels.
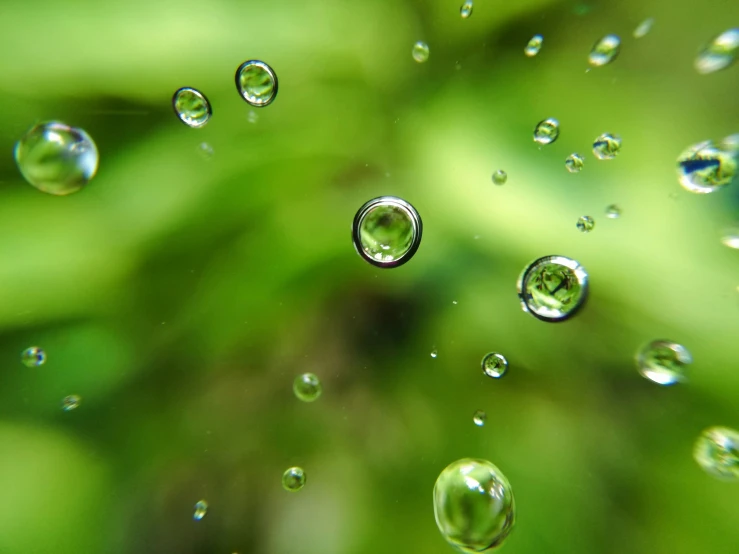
[
  {"x": 720, "y": 53},
  {"x": 585, "y": 224},
  {"x": 644, "y": 27},
  {"x": 663, "y": 362},
  {"x": 574, "y": 163},
  {"x": 500, "y": 177},
  {"x": 201, "y": 508},
  {"x": 494, "y": 365},
  {"x": 607, "y": 146},
  {"x": 479, "y": 418},
  {"x": 717, "y": 452},
  {"x": 192, "y": 107},
  {"x": 547, "y": 131},
  {"x": 293, "y": 479},
  {"x": 257, "y": 83},
  {"x": 605, "y": 51},
  {"x": 705, "y": 167},
  {"x": 307, "y": 387},
  {"x": 466, "y": 10},
  {"x": 533, "y": 46},
  {"x": 553, "y": 288},
  {"x": 70, "y": 402},
  {"x": 420, "y": 51},
  {"x": 613, "y": 212},
  {"x": 33, "y": 356}
]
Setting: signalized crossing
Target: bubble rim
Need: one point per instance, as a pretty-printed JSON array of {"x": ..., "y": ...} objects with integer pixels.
[
  {"x": 271, "y": 73},
  {"x": 197, "y": 93},
  {"x": 580, "y": 272}
]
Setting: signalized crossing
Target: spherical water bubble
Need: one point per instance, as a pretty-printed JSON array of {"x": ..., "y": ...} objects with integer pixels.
[
  {"x": 574, "y": 163},
  {"x": 717, "y": 452},
  {"x": 500, "y": 177},
  {"x": 420, "y": 51},
  {"x": 664, "y": 362},
  {"x": 607, "y": 146},
  {"x": 256, "y": 83},
  {"x": 307, "y": 387},
  {"x": 479, "y": 418},
  {"x": 720, "y": 53},
  {"x": 730, "y": 237},
  {"x": 434, "y": 353},
  {"x": 605, "y": 51},
  {"x": 293, "y": 479},
  {"x": 474, "y": 505},
  {"x": 705, "y": 167},
  {"x": 553, "y": 288},
  {"x": 201, "y": 508},
  {"x": 494, "y": 365},
  {"x": 585, "y": 224},
  {"x": 547, "y": 131},
  {"x": 70, "y": 402},
  {"x": 466, "y": 10},
  {"x": 613, "y": 212},
  {"x": 533, "y": 46},
  {"x": 192, "y": 107},
  {"x": 56, "y": 158},
  {"x": 644, "y": 27},
  {"x": 33, "y": 356},
  {"x": 387, "y": 231}
]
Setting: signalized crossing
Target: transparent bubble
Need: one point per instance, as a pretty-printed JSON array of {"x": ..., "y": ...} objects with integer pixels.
[
  {"x": 70, "y": 402},
  {"x": 574, "y": 163},
  {"x": 720, "y": 53},
  {"x": 607, "y": 146},
  {"x": 705, "y": 167},
  {"x": 605, "y": 51},
  {"x": 201, "y": 508},
  {"x": 664, "y": 362},
  {"x": 293, "y": 479},
  {"x": 192, "y": 107},
  {"x": 500, "y": 177},
  {"x": 33, "y": 356},
  {"x": 307, "y": 387},
  {"x": 474, "y": 505},
  {"x": 494, "y": 365},
  {"x": 717, "y": 452},
  {"x": 553, "y": 288},
  {"x": 387, "y": 231},
  {"x": 730, "y": 237},
  {"x": 466, "y": 10},
  {"x": 434, "y": 353},
  {"x": 613, "y": 212},
  {"x": 420, "y": 51},
  {"x": 56, "y": 158},
  {"x": 643, "y": 28},
  {"x": 533, "y": 46},
  {"x": 547, "y": 131},
  {"x": 479, "y": 418},
  {"x": 585, "y": 224},
  {"x": 256, "y": 83}
]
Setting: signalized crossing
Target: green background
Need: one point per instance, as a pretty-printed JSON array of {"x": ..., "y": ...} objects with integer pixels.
[{"x": 181, "y": 295}]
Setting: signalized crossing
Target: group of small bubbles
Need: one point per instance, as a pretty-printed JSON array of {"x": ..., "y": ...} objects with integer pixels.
[
  {"x": 500, "y": 177},
  {"x": 201, "y": 508},
  {"x": 546, "y": 131},
  {"x": 293, "y": 479},
  {"x": 474, "y": 505},
  {"x": 494, "y": 365},
  {"x": 420, "y": 51},
  {"x": 192, "y": 107},
  {"x": 605, "y": 51},
  {"x": 720, "y": 53},
  {"x": 479, "y": 418},
  {"x": 70, "y": 402},
  {"x": 307, "y": 387},
  {"x": 717, "y": 452},
  {"x": 606, "y": 146},
  {"x": 533, "y": 46},
  {"x": 643, "y": 28},
  {"x": 33, "y": 356},
  {"x": 466, "y": 10},
  {"x": 663, "y": 362},
  {"x": 574, "y": 162},
  {"x": 553, "y": 288},
  {"x": 707, "y": 167},
  {"x": 585, "y": 224},
  {"x": 613, "y": 212}
]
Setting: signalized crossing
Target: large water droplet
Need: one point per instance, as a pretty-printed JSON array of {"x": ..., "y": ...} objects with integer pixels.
[
  {"x": 33, "y": 356},
  {"x": 466, "y": 10},
  {"x": 607, "y": 146},
  {"x": 720, "y": 53},
  {"x": 547, "y": 131},
  {"x": 307, "y": 387},
  {"x": 494, "y": 365},
  {"x": 479, "y": 418},
  {"x": 387, "y": 231},
  {"x": 533, "y": 46},
  {"x": 293, "y": 479},
  {"x": 70, "y": 402},
  {"x": 192, "y": 107},
  {"x": 500, "y": 177},
  {"x": 663, "y": 362},
  {"x": 717, "y": 452},
  {"x": 256, "y": 83},
  {"x": 56, "y": 158},
  {"x": 644, "y": 27},
  {"x": 201, "y": 508},
  {"x": 613, "y": 212},
  {"x": 585, "y": 224},
  {"x": 574, "y": 163},
  {"x": 420, "y": 51},
  {"x": 706, "y": 167},
  {"x": 474, "y": 505},
  {"x": 553, "y": 288},
  {"x": 605, "y": 51}
]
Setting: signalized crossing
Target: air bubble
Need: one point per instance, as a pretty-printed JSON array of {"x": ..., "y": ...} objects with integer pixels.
[
  {"x": 500, "y": 177},
  {"x": 420, "y": 51},
  {"x": 720, "y": 53},
  {"x": 705, "y": 167},
  {"x": 663, "y": 362},
  {"x": 717, "y": 452},
  {"x": 494, "y": 365},
  {"x": 533, "y": 46},
  {"x": 585, "y": 224},
  {"x": 547, "y": 131},
  {"x": 574, "y": 163},
  {"x": 553, "y": 288},
  {"x": 607, "y": 146},
  {"x": 192, "y": 107},
  {"x": 256, "y": 83},
  {"x": 307, "y": 387},
  {"x": 605, "y": 51},
  {"x": 293, "y": 479},
  {"x": 33, "y": 356}
]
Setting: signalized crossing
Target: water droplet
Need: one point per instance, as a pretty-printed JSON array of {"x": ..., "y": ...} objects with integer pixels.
[
  {"x": 585, "y": 224},
  {"x": 533, "y": 46},
  {"x": 293, "y": 479},
  {"x": 720, "y": 53},
  {"x": 70, "y": 402},
  {"x": 730, "y": 237},
  {"x": 613, "y": 212},
  {"x": 252, "y": 116},
  {"x": 33, "y": 356},
  {"x": 547, "y": 131},
  {"x": 607, "y": 146},
  {"x": 192, "y": 107},
  {"x": 479, "y": 418},
  {"x": 500, "y": 177},
  {"x": 644, "y": 27},
  {"x": 201, "y": 508},
  {"x": 717, "y": 452},
  {"x": 705, "y": 167},
  {"x": 474, "y": 505},
  {"x": 420, "y": 51},
  {"x": 574, "y": 163},
  {"x": 663, "y": 362},
  {"x": 256, "y": 83},
  {"x": 434, "y": 353},
  {"x": 553, "y": 288},
  {"x": 387, "y": 231},
  {"x": 605, "y": 51},
  {"x": 56, "y": 158},
  {"x": 494, "y": 365},
  {"x": 466, "y": 10},
  {"x": 307, "y": 387},
  {"x": 206, "y": 150}
]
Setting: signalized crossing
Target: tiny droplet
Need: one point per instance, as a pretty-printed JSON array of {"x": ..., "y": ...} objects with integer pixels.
[
  {"x": 706, "y": 167},
  {"x": 466, "y": 10},
  {"x": 494, "y": 365},
  {"x": 644, "y": 27},
  {"x": 293, "y": 479},
  {"x": 533, "y": 46},
  {"x": 479, "y": 418},
  {"x": 574, "y": 163},
  {"x": 257, "y": 83},
  {"x": 720, "y": 53},
  {"x": 420, "y": 51},
  {"x": 717, "y": 452},
  {"x": 585, "y": 224},
  {"x": 607, "y": 146},
  {"x": 613, "y": 212},
  {"x": 500, "y": 177},
  {"x": 70, "y": 402},
  {"x": 192, "y": 107},
  {"x": 546, "y": 131},
  {"x": 663, "y": 362},
  {"x": 553, "y": 288},
  {"x": 33, "y": 356},
  {"x": 201, "y": 508},
  {"x": 730, "y": 237},
  {"x": 307, "y": 387},
  {"x": 434, "y": 353},
  {"x": 605, "y": 51}
]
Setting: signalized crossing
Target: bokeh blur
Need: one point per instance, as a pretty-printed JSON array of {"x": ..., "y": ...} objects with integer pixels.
[{"x": 183, "y": 290}]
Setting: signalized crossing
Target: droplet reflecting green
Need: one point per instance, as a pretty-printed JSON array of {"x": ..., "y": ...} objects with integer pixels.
[
  {"x": 70, "y": 402},
  {"x": 553, "y": 288},
  {"x": 706, "y": 167},
  {"x": 644, "y": 27},
  {"x": 256, "y": 83},
  {"x": 574, "y": 163},
  {"x": 192, "y": 107},
  {"x": 607, "y": 146},
  {"x": 466, "y": 10},
  {"x": 420, "y": 51},
  {"x": 663, "y": 362},
  {"x": 605, "y": 51},
  {"x": 717, "y": 452},
  {"x": 585, "y": 224},
  {"x": 479, "y": 418},
  {"x": 33, "y": 356},
  {"x": 201, "y": 508},
  {"x": 547, "y": 131},
  {"x": 720, "y": 53},
  {"x": 500, "y": 177},
  {"x": 613, "y": 212},
  {"x": 293, "y": 479},
  {"x": 494, "y": 365},
  {"x": 307, "y": 387},
  {"x": 533, "y": 46}
]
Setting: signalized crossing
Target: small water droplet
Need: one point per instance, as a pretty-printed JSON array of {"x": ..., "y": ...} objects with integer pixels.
[
  {"x": 574, "y": 162},
  {"x": 607, "y": 146},
  {"x": 201, "y": 508},
  {"x": 547, "y": 131},
  {"x": 252, "y": 117},
  {"x": 33, "y": 356},
  {"x": 494, "y": 365},
  {"x": 206, "y": 151},
  {"x": 533, "y": 46},
  {"x": 192, "y": 107},
  {"x": 466, "y": 10},
  {"x": 605, "y": 51},
  {"x": 454, "y": 302},
  {"x": 730, "y": 237},
  {"x": 720, "y": 53},
  {"x": 434, "y": 353},
  {"x": 307, "y": 387},
  {"x": 585, "y": 224},
  {"x": 70, "y": 402},
  {"x": 420, "y": 51},
  {"x": 717, "y": 452},
  {"x": 500, "y": 177},
  {"x": 293, "y": 479},
  {"x": 257, "y": 83},
  {"x": 613, "y": 212},
  {"x": 474, "y": 505},
  {"x": 663, "y": 362},
  {"x": 644, "y": 27},
  {"x": 553, "y": 288},
  {"x": 56, "y": 158},
  {"x": 706, "y": 167},
  {"x": 479, "y": 418}
]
